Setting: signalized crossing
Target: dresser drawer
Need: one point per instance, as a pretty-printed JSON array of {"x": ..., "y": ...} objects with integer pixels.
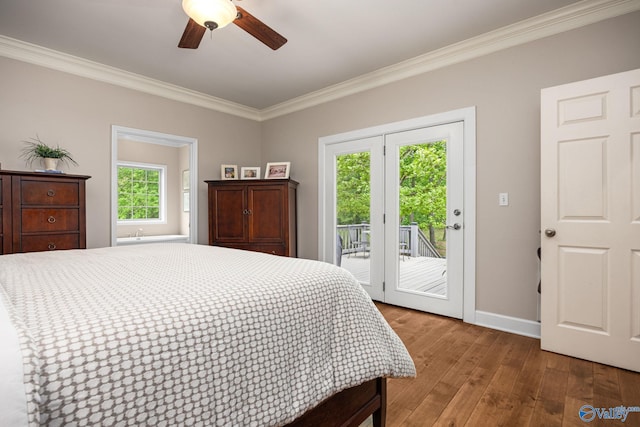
[
  {"x": 39, "y": 220},
  {"x": 49, "y": 193},
  {"x": 50, "y": 242}
]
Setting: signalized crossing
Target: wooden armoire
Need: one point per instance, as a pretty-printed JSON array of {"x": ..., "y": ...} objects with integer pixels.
[{"x": 255, "y": 215}]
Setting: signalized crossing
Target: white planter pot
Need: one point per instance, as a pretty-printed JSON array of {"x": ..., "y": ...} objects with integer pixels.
[{"x": 50, "y": 164}]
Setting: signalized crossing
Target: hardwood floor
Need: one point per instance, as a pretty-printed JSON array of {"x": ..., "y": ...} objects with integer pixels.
[{"x": 474, "y": 376}]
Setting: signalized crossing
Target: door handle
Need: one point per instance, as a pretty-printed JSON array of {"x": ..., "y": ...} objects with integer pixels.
[
  {"x": 549, "y": 232},
  {"x": 455, "y": 226}
]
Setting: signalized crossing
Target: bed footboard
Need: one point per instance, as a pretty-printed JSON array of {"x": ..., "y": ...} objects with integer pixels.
[{"x": 350, "y": 407}]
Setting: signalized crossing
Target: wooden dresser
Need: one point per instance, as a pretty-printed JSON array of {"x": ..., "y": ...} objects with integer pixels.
[
  {"x": 256, "y": 215},
  {"x": 41, "y": 212}
]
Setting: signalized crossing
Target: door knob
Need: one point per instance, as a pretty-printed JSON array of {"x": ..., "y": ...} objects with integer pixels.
[
  {"x": 549, "y": 232},
  {"x": 455, "y": 226}
]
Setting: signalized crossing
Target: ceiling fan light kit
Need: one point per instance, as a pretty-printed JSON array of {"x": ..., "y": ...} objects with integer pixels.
[{"x": 211, "y": 14}]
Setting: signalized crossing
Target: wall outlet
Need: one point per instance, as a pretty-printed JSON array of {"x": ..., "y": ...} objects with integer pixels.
[{"x": 503, "y": 199}]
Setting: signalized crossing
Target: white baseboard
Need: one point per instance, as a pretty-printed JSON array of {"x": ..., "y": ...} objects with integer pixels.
[{"x": 528, "y": 328}]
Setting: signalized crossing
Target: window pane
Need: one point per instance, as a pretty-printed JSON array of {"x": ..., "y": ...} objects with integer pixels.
[
  {"x": 153, "y": 188},
  {"x": 139, "y": 213},
  {"x": 139, "y": 175},
  {"x": 124, "y": 212},
  {"x": 139, "y": 199}
]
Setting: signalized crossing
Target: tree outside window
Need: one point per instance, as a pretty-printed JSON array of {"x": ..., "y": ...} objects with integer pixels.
[{"x": 140, "y": 192}]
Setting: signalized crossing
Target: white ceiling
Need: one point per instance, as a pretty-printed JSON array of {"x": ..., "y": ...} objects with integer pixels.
[{"x": 329, "y": 41}]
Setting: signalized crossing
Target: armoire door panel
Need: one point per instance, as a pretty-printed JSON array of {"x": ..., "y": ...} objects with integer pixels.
[
  {"x": 266, "y": 214},
  {"x": 228, "y": 211}
]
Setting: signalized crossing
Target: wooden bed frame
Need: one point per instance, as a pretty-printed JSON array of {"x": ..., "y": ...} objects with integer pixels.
[{"x": 350, "y": 407}]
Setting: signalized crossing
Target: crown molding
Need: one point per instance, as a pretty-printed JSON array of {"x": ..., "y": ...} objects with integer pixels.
[
  {"x": 38, "y": 55},
  {"x": 568, "y": 18}
]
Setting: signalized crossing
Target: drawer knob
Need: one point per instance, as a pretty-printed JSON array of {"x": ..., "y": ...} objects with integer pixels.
[
  {"x": 51, "y": 193},
  {"x": 51, "y": 246},
  {"x": 51, "y": 219}
]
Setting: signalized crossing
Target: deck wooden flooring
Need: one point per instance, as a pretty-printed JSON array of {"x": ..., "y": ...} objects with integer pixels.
[
  {"x": 421, "y": 274},
  {"x": 474, "y": 376}
]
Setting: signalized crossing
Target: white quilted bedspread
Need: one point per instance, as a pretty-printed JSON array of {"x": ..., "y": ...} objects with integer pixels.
[{"x": 178, "y": 334}]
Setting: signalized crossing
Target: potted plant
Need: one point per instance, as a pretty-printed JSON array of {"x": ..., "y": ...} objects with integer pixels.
[{"x": 50, "y": 156}]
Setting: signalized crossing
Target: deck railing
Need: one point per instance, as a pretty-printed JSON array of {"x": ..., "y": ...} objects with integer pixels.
[{"x": 412, "y": 240}]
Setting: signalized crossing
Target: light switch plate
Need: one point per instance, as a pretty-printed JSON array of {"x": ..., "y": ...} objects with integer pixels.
[{"x": 503, "y": 199}]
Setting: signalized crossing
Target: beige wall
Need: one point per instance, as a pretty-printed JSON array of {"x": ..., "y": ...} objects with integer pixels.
[
  {"x": 78, "y": 114},
  {"x": 505, "y": 88}
]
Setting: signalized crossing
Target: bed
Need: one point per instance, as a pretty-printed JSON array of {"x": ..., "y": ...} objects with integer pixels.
[{"x": 179, "y": 334}]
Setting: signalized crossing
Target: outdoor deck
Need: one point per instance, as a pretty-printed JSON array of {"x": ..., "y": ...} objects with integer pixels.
[{"x": 422, "y": 274}]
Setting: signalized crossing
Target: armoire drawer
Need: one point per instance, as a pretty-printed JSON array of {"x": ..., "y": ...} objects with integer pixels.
[
  {"x": 43, "y": 220},
  {"x": 49, "y": 193}
]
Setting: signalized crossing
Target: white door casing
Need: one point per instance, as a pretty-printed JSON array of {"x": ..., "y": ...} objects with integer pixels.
[{"x": 590, "y": 219}]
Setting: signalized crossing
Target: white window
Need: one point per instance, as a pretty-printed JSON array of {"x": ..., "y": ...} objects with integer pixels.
[{"x": 141, "y": 193}]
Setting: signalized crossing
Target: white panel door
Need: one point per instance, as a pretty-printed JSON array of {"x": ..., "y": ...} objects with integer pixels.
[{"x": 590, "y": 219}]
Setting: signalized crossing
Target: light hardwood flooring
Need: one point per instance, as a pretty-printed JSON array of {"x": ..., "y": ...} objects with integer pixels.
[{"x": 474, "y": 376}]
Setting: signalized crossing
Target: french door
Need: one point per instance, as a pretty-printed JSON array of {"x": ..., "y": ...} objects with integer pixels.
[
  {"x": 394, "y": 209},
  {"x": 428, "y": 276}
]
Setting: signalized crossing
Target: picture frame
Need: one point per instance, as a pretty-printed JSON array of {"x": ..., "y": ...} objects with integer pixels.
[
  {"x": 277, "y": 170},
  {"x": 250, "y": 172},
  {"x": 228, "y": 171},
  {"x": 185, "y": 179}
]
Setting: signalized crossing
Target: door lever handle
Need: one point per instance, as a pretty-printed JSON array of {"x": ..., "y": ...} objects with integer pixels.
[{"x": 455, "y": 226}]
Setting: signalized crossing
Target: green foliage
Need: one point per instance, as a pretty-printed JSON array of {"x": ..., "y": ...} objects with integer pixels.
[
  {"x": 35, "y": 149},
  {"x": 423, "y": 186},
  {"x": 353, "y": 188},
  {"x": 138, "y": 193}
]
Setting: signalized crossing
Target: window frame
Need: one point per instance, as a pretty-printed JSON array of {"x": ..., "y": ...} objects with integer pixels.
[{"x": 162, "y": 169}]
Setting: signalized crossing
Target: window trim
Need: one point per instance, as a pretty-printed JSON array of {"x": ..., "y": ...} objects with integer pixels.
[{"x": 163, "y": 193}]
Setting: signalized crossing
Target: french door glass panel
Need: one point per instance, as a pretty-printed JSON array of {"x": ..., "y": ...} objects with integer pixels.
[
  {"x": 356, "y": 209},
  {"x": 422, "y": 207}
]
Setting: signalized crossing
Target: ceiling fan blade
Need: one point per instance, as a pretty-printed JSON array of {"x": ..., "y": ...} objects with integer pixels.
[
  {"x": 192, "y": 35},
  {"x": 258, "y": 29}
]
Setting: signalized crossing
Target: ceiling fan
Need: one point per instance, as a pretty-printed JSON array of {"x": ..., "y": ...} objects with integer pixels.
[{"x": 212, "y": 14}]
